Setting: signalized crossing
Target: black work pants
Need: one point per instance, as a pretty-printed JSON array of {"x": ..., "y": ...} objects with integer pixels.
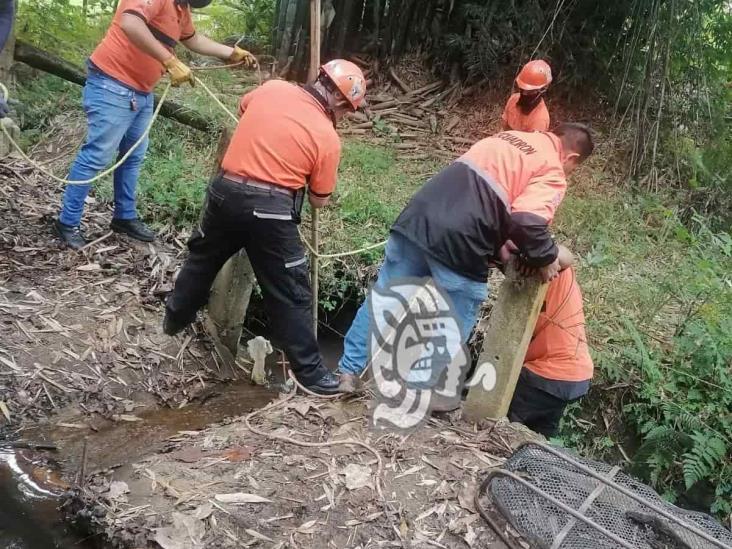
[
  {"x": 264, "y": 223},
  {"x": 537, "y": 409}
]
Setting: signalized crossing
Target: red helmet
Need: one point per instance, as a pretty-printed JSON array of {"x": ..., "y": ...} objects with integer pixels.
[
  {"x": 534, "y": 76},
  {"x": 349, "y": 80}
]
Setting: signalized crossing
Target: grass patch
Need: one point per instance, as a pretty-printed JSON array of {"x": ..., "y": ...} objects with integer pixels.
[{"x": 373, "y": 188}]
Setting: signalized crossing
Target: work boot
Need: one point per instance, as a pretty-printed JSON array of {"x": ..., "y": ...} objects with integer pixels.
[
  {"x": 327, "y": 384},
  {"x": 350, "y": 383},
  {"x": 133, "y": 228},
  {"x": 71, "y": 235},
  {"x": 171, "y": 326}
]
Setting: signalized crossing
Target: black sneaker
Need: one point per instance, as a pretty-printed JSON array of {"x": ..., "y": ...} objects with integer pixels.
[
  {"x": 171, "y": 326},
  {"x": 133, "y": 228},
  {"x": 71, "y": 235},
  {"x": 328, "y": 384}
]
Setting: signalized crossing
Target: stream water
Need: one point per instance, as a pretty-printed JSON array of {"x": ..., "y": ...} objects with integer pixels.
[{"x": 30, "y": 488}]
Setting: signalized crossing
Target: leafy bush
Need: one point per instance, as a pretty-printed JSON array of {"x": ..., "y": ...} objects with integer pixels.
[
  {"x": 658, "y": 299},
  {"x": 62, "y": 26}
]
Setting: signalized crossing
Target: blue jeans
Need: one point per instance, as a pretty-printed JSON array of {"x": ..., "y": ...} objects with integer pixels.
[
  {"x": 406, "y": 260},
  {"x": 114, "y": 127}
]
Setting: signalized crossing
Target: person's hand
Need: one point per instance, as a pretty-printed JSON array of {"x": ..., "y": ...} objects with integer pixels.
[
  {"x": 179, "y": 72},
  {"x": 240, "y": 55},
  {"x": 3, "y": 108},
  {"x": 551, "y": 271},
  {"x": 507, "y": 251}
]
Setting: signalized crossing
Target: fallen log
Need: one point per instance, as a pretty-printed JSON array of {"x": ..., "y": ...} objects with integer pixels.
[
  {"x": 426, "y": 89},
  {"x": 385, "y": 105},
  {"x": 47, "y": 62},
  {"x": 437, "y": 97},
  {"x": 398, "y": 81}
]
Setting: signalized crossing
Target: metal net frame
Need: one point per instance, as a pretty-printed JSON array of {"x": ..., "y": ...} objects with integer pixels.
[{"x": 559, "y": 501}]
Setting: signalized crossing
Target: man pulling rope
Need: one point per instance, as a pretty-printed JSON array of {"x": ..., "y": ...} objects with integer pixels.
[
  {"x": 118, "y": 100},
  {"x": 284, "y": 148}
]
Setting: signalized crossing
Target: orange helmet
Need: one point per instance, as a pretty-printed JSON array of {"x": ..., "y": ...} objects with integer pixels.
[
  {"x": 349, "y": 80},
  {"x": 534, "y": 76}
]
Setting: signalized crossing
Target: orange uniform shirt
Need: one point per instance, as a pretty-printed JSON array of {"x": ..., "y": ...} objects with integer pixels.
[
  {"x": 527, "y": 168},
  {"x": 536, "y": 121},
  {"x": 117, "y": 57},
  {"x": 558, "y": 349},
  {"x": 285, "y": 137}
]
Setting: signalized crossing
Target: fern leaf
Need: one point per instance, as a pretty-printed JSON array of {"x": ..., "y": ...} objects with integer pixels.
[{"x": 702, "y": 461}]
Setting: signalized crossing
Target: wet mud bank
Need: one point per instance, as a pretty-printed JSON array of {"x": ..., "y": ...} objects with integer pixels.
[{"x": 301, "y": 472}]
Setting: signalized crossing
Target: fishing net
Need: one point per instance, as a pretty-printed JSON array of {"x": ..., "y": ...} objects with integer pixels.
[{"x": 541, "y": 486}]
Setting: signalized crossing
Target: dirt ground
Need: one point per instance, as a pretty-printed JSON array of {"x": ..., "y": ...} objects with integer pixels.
[
  {"x": 86, "y": 327},
  {"x": 252, "y": 481}
]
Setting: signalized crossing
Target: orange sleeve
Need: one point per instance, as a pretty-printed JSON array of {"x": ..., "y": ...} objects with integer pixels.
[
  {"x": 506, "y": 116},
  {"x": 532, "y": 211},
  {"x": 246, "y": 99},
  {"x": 325, "y": 172},
  {"x": 143, "y": 9},
  {"x": 187, "y": 30}
]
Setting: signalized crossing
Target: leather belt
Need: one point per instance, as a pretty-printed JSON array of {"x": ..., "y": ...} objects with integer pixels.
[{"x": 257, "y": 184}]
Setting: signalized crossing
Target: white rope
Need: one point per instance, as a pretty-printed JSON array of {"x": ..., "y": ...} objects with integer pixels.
[
  {"x": 105, "y": 172},
  {"x": 343, "y": 254}
]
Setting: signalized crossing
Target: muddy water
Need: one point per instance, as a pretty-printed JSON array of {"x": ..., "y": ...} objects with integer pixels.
[
  {"x": 28, "y": 515},
  {"x": 30, "y": 484}
]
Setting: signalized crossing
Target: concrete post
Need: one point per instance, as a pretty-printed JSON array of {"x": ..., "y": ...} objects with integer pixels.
[
  {"x": 507, "y": 338},
  {"x": 231, "y": 291}
]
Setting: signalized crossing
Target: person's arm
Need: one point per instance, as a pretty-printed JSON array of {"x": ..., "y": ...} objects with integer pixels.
[
  {"x": 203, "y": 45},
  {"x": 532, "y": 211},
  {"x": 323, "y": 177},
  {"x": 504, "y": 118},
  {"x": 136, "y": 30},
  {"x": 565, "y": 258}
]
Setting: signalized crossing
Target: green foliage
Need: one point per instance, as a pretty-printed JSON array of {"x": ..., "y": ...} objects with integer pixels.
[
  {"x": 707, "y": 454},
  {"x": 62, "y": 26},
  {"x": 251, "y": 19},
  {"x": 659, "y": 324},
  {"x": 373, "y": 187}
]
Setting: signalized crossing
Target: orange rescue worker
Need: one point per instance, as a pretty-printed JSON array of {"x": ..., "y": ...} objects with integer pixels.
[
  {"x": 285, "y": 146},
  {"x": 507, "y": 186},
  {"x": 557, "y": 367},
  {"x": 118, "y": 100},
  {"x": 526, "y": 110}
]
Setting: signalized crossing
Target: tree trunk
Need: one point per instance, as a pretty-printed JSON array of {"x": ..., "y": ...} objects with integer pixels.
[
  {"x": 47, "y": 62},
  {"x": 405, "y": 21},
  {"x": 302, "y": 34},
  {"x": 288, "y": 30},
  {"x": 343, "y": 25},
  {"x": 353, "y": 35}
]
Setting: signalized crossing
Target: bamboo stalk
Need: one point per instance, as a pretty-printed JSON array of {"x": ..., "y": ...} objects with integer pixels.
[{"x": 315, "y": 240}]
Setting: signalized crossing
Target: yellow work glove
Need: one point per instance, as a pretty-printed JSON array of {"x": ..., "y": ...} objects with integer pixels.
[
  {"x": 243, "y": 56},
  {"x": 179, "y": 72}
]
